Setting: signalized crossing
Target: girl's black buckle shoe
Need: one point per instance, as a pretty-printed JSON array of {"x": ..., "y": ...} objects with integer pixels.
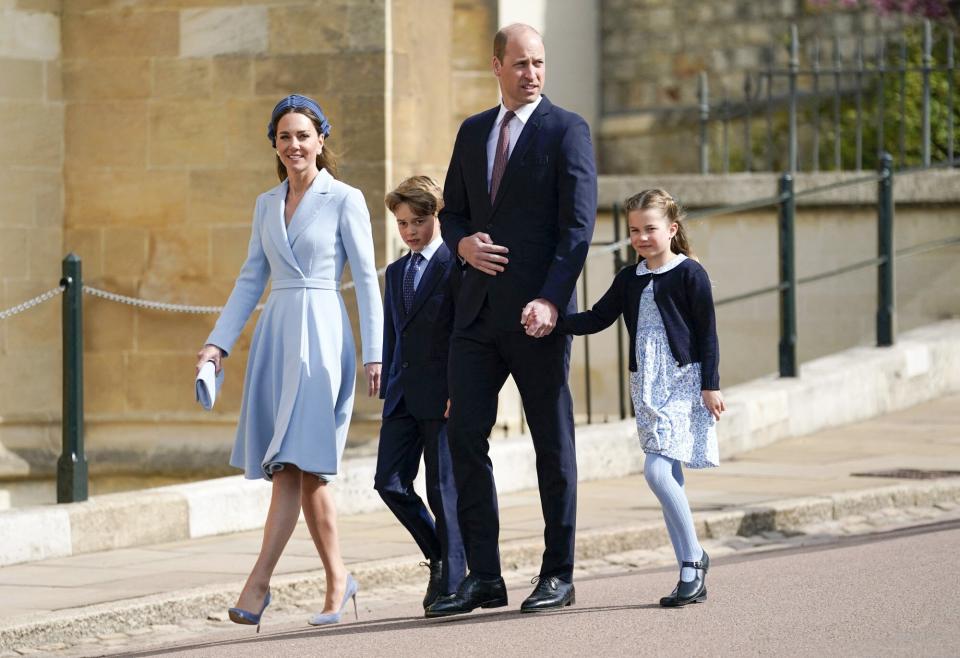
[
  {"x": 694, "y": 591},
  {"x": 669, "y": 601}
]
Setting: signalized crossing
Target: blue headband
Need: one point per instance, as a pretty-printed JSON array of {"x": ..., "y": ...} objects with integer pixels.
[{"x": 296, "y": 101}]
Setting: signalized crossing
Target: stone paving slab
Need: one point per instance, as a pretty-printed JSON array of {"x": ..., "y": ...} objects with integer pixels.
[
  {"x": 62, "y": 599},
  {"x": 290, "y": 614}
]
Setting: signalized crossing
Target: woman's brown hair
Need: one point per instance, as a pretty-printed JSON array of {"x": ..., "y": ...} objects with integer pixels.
[
  {"x": 326, "y": 158},
  {"x": 663, "y": 201}
]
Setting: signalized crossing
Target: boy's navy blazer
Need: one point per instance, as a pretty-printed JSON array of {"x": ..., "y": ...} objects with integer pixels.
[
  {"x": 544, "y": 212},
  {"x": 416, "y": 344}
]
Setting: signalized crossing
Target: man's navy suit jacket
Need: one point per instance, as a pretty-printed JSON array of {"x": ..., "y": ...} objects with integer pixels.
[
  {"x": 416, "y": 344},
  {"x": 544, "y": 212}
]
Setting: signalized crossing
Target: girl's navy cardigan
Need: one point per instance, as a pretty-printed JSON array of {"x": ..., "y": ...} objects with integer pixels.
[{"x": 685, "y": 301}]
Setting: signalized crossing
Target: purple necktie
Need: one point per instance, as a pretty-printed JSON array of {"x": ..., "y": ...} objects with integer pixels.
[
  {"x": 409, "y": 277},
  {"x": 502, "y": 155}
]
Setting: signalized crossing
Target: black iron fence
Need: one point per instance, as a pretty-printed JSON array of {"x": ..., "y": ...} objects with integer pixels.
[
  {"x": 826, "y": 109},
  {"x": 788, "y": 282}
]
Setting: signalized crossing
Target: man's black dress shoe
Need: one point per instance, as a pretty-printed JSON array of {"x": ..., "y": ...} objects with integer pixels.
[
  {"x": 551, "y": 593},
  {"x": 433, "y": 586},
  {"x": 694, "y": 591},
  {"x": 473, "y": 593}
]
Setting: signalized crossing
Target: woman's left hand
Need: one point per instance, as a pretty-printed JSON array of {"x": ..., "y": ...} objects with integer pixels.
[
  {"x": 373, "y": 378},
  {"x": 713, "y": 401}
]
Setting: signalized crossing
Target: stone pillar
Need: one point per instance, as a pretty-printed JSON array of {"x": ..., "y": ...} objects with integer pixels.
[
  {"x": 419, "y": 97},
  {"x": 474, "y": 86}
]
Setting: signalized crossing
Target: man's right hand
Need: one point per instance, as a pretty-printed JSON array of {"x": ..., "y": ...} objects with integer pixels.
[{"x": 480, "y": 253}]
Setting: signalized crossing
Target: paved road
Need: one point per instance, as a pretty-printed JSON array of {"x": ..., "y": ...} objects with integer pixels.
[{"x": 891, "y": 593}]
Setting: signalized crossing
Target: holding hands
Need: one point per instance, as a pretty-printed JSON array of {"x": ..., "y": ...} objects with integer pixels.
[
  {"x": 480, "y": 253},
  {"x": 539, "y": 317},
  {"x": 713, "y": 401}
]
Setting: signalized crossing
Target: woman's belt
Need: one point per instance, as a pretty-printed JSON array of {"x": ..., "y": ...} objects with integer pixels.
[{"x": 318, "y": 284}]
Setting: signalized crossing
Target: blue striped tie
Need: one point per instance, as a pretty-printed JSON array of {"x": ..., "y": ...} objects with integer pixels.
[{"x": 409, "y": 278}]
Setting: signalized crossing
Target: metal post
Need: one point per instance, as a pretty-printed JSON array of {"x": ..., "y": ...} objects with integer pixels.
[
  {"x": 747, "y": 122},
  {"x": 902, "y": 98},
  {"x": 621, "y": 369},
  {"x": 788, "y": 279},
  {"x": 768, "y": 56},
  {"x": 72, "y": 465},
  {"x": 950, "y": 84},
  {"x": 704, "y": 95},
  {"x": 816, "y": 106},
  {"x": 837, "y": 125},
  {"x": 927, "y": 63},
  {"x": 725, "y": 123},
  {"x": 858, "y": 86},
  {"x": 586, "y": 351},
  {"x": 794, "y": 68},
  {"x": 881, "y": 90},
  {"x": 886, "y": 304}
]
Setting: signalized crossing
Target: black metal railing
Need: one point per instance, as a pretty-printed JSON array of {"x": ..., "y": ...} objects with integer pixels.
[
  {"x": 788, "y": 281},
  {"x": 854, "y": 97}
]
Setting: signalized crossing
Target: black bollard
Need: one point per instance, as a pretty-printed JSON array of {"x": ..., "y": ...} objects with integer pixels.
[{"x": 72, "y": 465}]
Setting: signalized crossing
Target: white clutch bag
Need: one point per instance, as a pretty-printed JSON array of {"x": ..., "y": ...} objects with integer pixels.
[{"x": 208, "y": 385}]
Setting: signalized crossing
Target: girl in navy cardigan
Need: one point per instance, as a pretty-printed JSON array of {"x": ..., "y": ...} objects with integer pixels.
[{"x": 667, "y": 305}]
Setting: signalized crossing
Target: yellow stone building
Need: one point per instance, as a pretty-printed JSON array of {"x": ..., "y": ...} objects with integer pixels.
[{"x": 132, "y": 133}]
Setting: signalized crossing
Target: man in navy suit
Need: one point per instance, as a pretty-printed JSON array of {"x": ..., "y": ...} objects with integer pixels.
[
  {"x": 519, "y": 206},
  {"x": 418, "y": 319}
]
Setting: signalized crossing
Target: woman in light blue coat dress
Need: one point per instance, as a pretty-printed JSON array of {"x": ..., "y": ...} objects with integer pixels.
[{"x": 299, "y": 384}]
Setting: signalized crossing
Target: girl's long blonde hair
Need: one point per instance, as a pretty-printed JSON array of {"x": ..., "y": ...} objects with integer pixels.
[{"x": 663, "y": 201}]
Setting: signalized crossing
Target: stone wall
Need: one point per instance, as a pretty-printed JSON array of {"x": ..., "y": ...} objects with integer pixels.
[
  {"x": 653, "y": 51},
  {"x": 31, "y": 216},
  {"x": 420, "y": 119},
  {"x": 474, "y": 85},
  {"x": 148, "y": 167}
]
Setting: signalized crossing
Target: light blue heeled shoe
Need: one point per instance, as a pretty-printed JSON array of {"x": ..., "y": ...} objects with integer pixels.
[
  {"x": 334, "y": 617},
  {"x": 241, "y": 616}
]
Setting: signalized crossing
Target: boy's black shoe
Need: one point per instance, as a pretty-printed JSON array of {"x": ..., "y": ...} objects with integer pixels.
[{"x": 473, "y": 593}]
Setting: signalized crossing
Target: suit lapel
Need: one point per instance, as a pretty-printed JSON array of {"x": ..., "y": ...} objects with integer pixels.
[
  {"x": 309, "y": 209},
  {"x": 429, "y": 279},
  {"x": 275, "y": 225},
  {"x": 527, "y": 136}
]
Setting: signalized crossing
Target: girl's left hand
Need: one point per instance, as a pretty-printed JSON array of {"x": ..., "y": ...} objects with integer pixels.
[
  {"x": 713, "y": 401},
  {"x": 373, "y": 378}
]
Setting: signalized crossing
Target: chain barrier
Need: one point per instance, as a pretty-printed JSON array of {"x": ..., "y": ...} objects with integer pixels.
[
  {"x": 154, "y": 306},
  {"x": 179, "y": 308},
  {"x": 30, "y": 303}
]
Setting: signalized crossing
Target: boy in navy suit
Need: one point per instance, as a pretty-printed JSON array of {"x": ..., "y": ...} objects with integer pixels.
[{"x": 418, "y": 320}]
